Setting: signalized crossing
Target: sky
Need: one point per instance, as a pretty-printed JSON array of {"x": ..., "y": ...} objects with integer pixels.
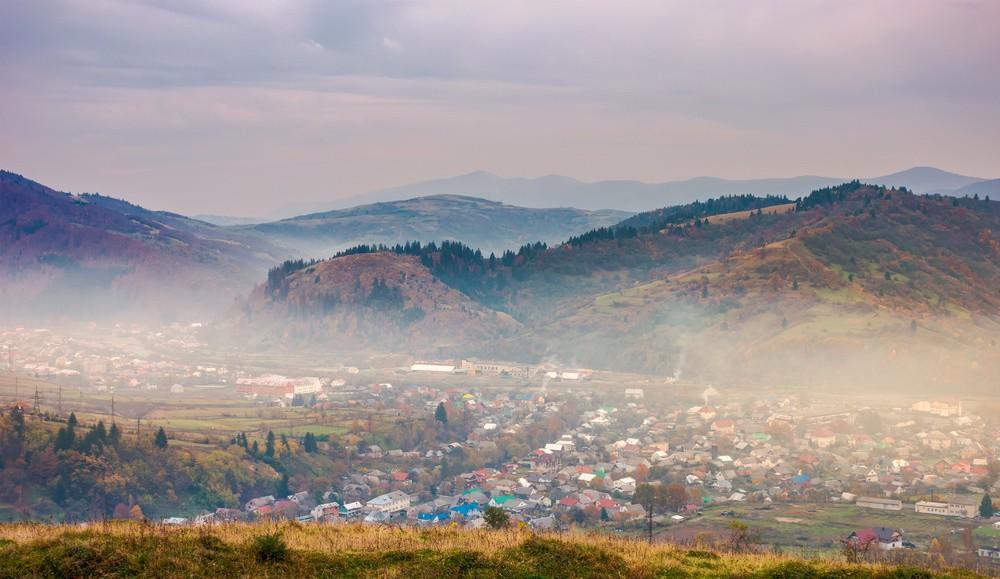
[{"x": 244, "y": 107}]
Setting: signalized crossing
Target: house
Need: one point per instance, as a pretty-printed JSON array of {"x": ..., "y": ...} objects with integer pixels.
[
  {"x": 882, "y": 504},
  {"x": 883, "y": 537},
  {"x": 635, "y": 393},
  {"x": 990, "y": 553},
  {"x": 256, "y": 503},
  {"x": 724, "y": 426},
  {"x": 325, "y": 510},
  {"x": 624, "y": 485},
  {"x": 389, "y": 502}
]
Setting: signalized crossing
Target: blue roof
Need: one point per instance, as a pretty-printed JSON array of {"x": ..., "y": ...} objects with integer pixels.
[
  {"x": 465, "y": 508},
  {"x": 433, "y": 517},
  {"x": 800, "y": 479}
]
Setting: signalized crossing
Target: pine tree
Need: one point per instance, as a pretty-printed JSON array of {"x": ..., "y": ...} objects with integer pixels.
[
  {"x": 161, "y": 438},
  {"x": 269, "y": 444},
  {"x": 441, "y": 414},
  {"x": 282, "y": 488},
  {"x": 309, "y": 442},
  {"x": 115, "y": 434},
  {"x": 986, "y": 509}
]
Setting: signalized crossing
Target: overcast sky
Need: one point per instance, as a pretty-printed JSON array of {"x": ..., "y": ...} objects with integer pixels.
[{"x": 244, "y": 106}]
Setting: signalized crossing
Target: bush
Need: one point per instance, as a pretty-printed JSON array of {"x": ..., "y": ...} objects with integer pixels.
[
  {"x": 496, "y": 518},
  {"x": 270, "y": 548}
]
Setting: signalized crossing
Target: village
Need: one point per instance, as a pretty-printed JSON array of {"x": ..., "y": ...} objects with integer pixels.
[{"x": 555, "y": 448}]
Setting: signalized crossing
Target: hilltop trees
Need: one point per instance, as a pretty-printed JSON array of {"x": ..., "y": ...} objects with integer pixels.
[{"x": 78, "y": 472}]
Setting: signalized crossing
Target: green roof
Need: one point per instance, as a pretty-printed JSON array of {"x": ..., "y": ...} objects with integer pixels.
[{"x": 502, "y": 499}]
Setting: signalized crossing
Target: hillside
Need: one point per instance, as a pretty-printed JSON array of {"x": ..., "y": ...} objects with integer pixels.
[
  {"x": 87, "y": 256},
  {"x": 375, "y": 300},
  {"x": 872, "y": 279},
  {"x": 984, "y": 189},
  {"x": 848, "y": 278},
  {"x": 291, "y": 550},
  {"x": 487, "y": 225}
]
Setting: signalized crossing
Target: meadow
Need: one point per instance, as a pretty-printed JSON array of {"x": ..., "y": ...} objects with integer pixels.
[{"x": 289, "y": 550}]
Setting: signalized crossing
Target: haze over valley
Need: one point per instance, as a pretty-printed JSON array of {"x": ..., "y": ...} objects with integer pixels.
[{"x": 443, "y": 288}]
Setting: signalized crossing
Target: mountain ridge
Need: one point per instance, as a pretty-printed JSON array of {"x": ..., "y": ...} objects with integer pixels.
[{"x": 635, "y": 196}]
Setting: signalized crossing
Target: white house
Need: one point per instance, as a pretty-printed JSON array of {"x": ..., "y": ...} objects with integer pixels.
[
  {"x": 389, "y": 502},
  {"x": 624, "y": 485}
]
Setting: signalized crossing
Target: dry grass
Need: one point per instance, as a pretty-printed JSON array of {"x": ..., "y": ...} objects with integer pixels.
[{"x": 135, "y": 550}]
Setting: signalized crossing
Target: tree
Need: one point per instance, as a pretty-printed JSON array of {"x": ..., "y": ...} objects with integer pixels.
[
  {"x": 676, "y": 496},
  {"x": 269, "y": 444},
  {"x": 282, "y": 490},
  {"x": 441, "y": 414},
  {"x": 135, "y": 513},
  {"x": 309, "y": 442},
  {"x": 986, "y": 508},
  {"x": 115, "y": 434},
  {"x": 652, "y": 498},
  {"x": 496, "y": 518},
  {"x": 161, "y": 438},
  {"x": 65, "y": 439}
]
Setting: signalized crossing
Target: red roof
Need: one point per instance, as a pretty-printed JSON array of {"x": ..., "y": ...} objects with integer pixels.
[
  {"x": 568, "y": 501},
  {"x": 400, "y": 476}
]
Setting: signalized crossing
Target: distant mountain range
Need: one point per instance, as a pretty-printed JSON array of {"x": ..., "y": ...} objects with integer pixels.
[
  {"x": 634, "y": 196},
  {"x": 486, "y": 225}
]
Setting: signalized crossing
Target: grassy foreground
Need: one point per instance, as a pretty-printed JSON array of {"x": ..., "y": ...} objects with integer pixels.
[{"x": 125, "y": 549}]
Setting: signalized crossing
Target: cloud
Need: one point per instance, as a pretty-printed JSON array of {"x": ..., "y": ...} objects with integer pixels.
[{"x": 650, "y": 89}]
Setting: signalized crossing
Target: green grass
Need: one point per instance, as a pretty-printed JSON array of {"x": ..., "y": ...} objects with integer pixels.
[{"x": 290, "y": 550}]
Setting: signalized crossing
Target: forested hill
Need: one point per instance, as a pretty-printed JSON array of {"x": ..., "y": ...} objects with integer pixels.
[{"x": 632, "y": 297}]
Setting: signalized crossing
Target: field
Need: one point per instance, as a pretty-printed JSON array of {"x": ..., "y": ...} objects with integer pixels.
[
  {"x": 289, "y": 550},
  {"x": 820, "y": 527},
  {"x": 197, "y": 415},
  {"x": 783, "y": 208}
]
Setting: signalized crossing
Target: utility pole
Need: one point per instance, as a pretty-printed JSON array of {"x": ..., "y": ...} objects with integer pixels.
[
  {"x": 36, "y": 402},
  {"x": 112, "y": 409},
  {"x": 60, "y": 401}
]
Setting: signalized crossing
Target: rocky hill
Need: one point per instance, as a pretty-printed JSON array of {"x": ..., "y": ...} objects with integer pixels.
[{"x": 376, "y": 300}]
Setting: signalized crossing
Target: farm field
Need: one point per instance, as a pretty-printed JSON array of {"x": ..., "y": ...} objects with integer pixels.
[{"x": 820, "y": 527}]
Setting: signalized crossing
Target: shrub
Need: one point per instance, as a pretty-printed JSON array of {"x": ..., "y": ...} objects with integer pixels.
[{"x": 270, "y": 548}]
